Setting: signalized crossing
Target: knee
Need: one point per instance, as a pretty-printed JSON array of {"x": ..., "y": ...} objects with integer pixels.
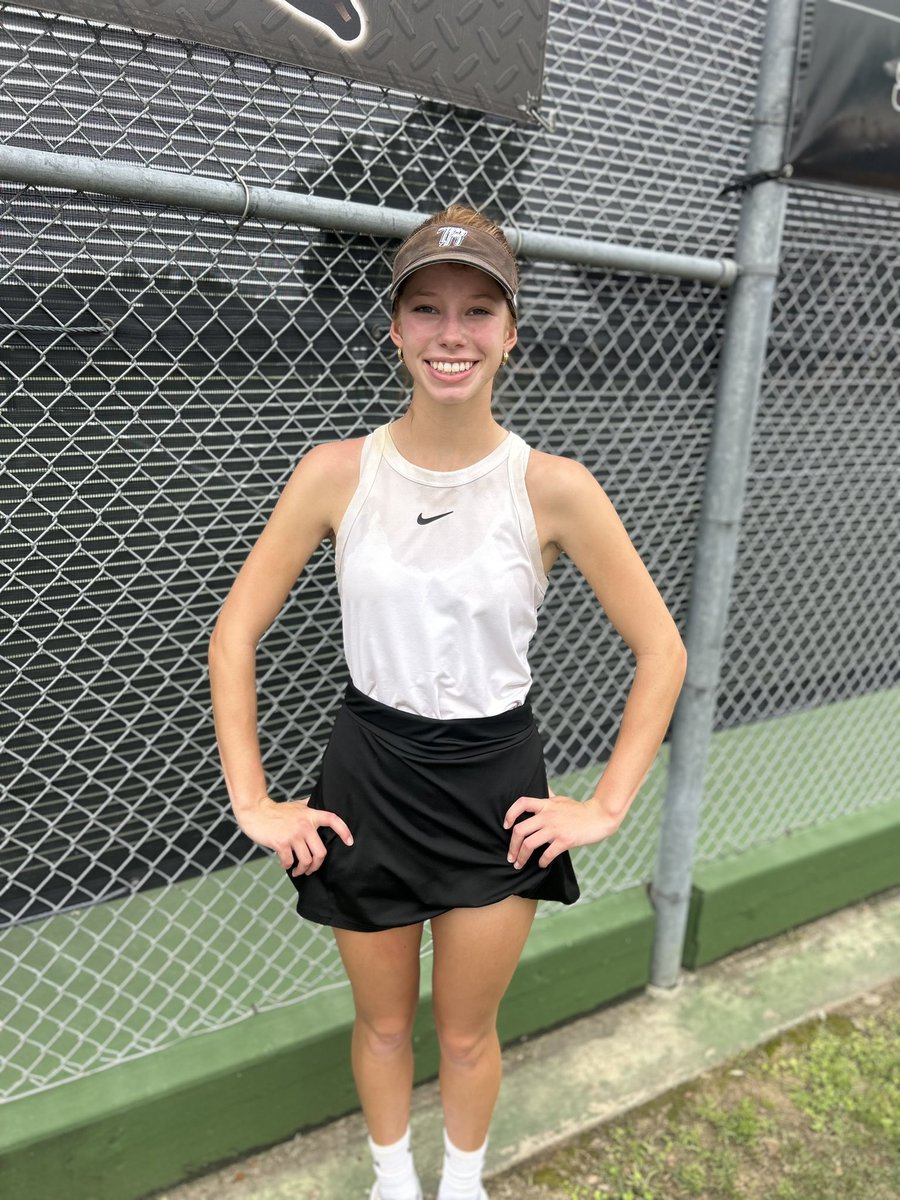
[
  {"x": 465, "y": 1047},
  {"x": 387, "y": 1035}
]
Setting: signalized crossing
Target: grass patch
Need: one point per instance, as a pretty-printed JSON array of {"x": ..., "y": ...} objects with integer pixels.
[{"x": 812, "y": 1115}]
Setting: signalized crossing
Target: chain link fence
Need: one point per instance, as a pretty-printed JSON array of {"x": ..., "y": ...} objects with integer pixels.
[
  {"x": 812, "y": 626},
  {"x": 162, "y": 370}
]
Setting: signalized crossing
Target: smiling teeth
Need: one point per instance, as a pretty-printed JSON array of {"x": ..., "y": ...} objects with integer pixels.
[{"x": 452, "y": 368}]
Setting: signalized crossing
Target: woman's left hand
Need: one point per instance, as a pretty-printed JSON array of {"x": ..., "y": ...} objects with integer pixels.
[{"x": 559, "y": 823}]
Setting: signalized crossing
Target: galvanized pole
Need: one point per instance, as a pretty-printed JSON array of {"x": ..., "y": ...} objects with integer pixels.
[{"x": 740, "y": 372}]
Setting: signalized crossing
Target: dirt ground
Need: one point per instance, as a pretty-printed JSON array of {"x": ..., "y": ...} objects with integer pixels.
[{"x": 812, "y": 1115}]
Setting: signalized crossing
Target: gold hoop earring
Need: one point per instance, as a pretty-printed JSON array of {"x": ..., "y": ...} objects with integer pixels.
[
  {"x": 400, "y": 353},
  {"x": 505, "y": 359}
]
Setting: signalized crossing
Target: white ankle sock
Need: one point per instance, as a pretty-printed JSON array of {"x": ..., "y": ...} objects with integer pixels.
[
  {"x": 461, "y": 1176},
  {"x": 394, "y": 1170}
]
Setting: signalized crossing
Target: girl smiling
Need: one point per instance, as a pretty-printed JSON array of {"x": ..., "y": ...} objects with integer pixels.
[{"x": 431, "y": 802}]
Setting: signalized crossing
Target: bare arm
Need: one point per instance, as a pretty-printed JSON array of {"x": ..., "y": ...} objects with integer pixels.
[
  {"x": 309, "y": 507},
  {"x": 575, "y": 515}
]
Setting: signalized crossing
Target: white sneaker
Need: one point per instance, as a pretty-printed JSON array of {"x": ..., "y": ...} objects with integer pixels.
[{"x": 376, "y": 1195}]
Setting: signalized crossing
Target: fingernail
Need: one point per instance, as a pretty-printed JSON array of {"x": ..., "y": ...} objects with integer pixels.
[
  {"x": 349, "y": 841},
  {"x": 509, "y": 858}
]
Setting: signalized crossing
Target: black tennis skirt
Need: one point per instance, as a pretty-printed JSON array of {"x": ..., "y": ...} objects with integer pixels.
[{"x": 425, "y": 801}]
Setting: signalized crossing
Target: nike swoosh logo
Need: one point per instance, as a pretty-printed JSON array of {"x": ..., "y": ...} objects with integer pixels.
[{"x": 420, "y": 520}]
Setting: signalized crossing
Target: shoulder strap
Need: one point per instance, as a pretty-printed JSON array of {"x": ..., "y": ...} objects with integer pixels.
[
  {"x": 369, "y": 462},
  {"x": 517, "y": 464}
]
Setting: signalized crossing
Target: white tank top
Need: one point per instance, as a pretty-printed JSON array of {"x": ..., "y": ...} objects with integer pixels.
[{"x": 440, "y": 578}]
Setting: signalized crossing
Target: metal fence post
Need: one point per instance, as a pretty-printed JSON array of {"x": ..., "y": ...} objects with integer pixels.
[{"x": 740, "y": 372}]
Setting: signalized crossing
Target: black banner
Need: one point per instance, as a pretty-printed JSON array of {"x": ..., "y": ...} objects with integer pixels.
[
  {"x": 846, "y": 122},
  {"x": 483, "y": 54}
]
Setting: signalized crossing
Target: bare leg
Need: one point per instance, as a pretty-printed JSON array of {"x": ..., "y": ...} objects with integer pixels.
[
  {"x": 476, "y": 951},
  {"x": 383, "y": 969}
]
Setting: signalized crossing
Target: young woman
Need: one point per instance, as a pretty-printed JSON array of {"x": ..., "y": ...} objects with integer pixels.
[{"x": 432, "y": 800}]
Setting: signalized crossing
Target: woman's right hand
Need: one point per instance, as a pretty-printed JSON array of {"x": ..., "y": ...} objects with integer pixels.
[{"x": 290, "y": 828}]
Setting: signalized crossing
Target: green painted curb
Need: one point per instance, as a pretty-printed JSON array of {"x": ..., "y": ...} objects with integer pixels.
[
  {"x": 769, "y": 889},
  {"x": 581, "y": 959},
  {"x": 157, "y": 1120}
]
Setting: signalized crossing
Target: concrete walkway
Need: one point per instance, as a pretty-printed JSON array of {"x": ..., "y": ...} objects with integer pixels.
[{"x": 595, "y": 1068}]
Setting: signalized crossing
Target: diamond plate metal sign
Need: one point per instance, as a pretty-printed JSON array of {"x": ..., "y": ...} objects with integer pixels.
[
  {"x": 847, "y": 97},
  {"x": 483, "y": 54}
]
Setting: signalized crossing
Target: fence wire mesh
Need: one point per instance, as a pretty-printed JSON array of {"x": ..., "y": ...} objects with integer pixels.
[
  {"x": 813, "y": 624},
  {"x": 162, "y": 371}
]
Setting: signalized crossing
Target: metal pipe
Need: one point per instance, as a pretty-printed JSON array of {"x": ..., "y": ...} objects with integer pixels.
[
  {"x": 131, "y": 181},
  {"x": 747, "y": 321}
]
